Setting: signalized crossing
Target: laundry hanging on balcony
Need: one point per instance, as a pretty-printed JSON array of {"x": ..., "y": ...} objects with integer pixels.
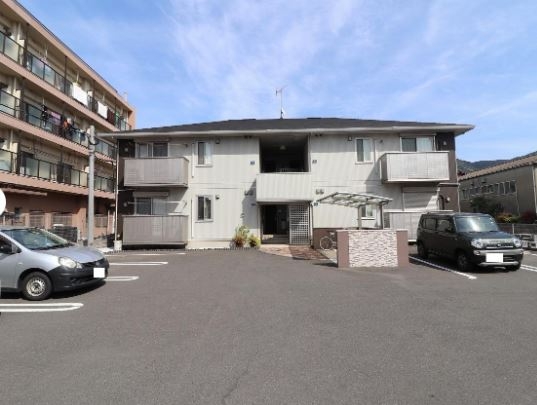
[
  {"x": 102, "y": 110},
  {"x": 80, "y": 95}
]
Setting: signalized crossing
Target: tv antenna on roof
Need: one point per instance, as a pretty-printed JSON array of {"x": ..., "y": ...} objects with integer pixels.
[{"x": 280, "y": 92}]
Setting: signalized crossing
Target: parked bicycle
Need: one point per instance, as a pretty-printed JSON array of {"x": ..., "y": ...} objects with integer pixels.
[{"x": 328, "y": 241}]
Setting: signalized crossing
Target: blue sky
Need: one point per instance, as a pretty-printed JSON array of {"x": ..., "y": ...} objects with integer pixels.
[{"x": 183, "y": 61}]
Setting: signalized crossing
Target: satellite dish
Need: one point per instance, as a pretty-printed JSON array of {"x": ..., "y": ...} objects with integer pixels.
[{"x": 2, "y": 202}]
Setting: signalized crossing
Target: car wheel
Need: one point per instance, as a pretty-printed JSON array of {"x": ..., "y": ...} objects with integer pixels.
[
  {"x": 514, "y": 268},
  {"x": 463, "y": 263},
  {"x": 422, "y": 251},
  {"x": 36, "y": 286}
]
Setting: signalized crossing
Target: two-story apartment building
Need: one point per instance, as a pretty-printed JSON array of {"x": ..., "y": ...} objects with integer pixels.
[
  {"x": 511, "y": 185},
  {"x": 194, "y": 184},
  {"x": 49, "y": 99}
]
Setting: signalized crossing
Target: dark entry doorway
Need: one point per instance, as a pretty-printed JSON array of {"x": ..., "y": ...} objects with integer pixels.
[{"x": 275, "y": 223}]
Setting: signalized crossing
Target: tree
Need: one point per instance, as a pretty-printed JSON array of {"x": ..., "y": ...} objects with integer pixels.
[{"x": 486, "y": 205}]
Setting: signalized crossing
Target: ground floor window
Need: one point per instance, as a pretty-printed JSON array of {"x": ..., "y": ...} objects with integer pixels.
[
  {"x": 205, "y": 208},
  {"x": 368, "y": 211}
]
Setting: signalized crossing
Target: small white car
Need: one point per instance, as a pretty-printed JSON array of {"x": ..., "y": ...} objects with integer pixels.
[{"x": 37, "y": 263}]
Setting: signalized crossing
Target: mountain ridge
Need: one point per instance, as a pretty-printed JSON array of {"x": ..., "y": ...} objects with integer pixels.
[{"x": 464, "y": 166}]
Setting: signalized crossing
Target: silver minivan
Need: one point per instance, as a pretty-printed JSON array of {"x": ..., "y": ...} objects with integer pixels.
[{"x": 37, "y": 263}]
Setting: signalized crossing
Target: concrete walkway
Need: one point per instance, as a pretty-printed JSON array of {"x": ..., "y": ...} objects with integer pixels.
[{"x": 296, "y": 252}]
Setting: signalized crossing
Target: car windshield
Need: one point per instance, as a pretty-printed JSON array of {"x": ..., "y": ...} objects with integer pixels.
[
  {"x": 476, "y": 224},
  {"x": 36, "y": 239}
]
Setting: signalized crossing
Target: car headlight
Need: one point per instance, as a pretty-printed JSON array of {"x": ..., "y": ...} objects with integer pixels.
[
  {"x": 517, "y": 242},
  {"x": 477, "y": 243},
  {"x": 69, "y": 263}
]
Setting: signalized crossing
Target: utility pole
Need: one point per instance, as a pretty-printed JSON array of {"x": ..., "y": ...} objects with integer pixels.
[{"x": 91, "y": 183}]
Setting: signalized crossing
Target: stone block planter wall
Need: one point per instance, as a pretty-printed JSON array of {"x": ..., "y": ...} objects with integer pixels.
[{"x": 372, "y": 248}]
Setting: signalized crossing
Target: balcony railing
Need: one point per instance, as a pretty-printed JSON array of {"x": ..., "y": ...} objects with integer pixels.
[
  {"x": 47, "y": 73},
  {"x": 284, "y": 187},
  {"x": 50, "y": 121},
  {"x": 28, "y": 166},
  {"x": 171, "y": 171},
  {"x": 411, "y": 167},
  {"x": 155, "y": 229}
]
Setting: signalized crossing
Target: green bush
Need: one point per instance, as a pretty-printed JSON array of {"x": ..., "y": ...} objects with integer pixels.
[
  {"x": 507, "y": 218},
  {"x": 241, "y": 236},
  {"x": 254, "y": 241}
]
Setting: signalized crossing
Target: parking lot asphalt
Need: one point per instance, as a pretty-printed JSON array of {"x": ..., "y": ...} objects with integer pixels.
[{"x": 245, "y": 327}]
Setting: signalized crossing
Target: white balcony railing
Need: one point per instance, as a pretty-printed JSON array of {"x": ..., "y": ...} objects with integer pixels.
[
  {"x": 156, "y": 172},
  {"x": 403, "y": 167},
  {"x": 284, "y": 187}
]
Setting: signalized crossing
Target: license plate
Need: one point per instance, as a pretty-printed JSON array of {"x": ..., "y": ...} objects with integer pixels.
[
  {"x": 494, "y": 258},
  {"x": 99, "y": 272}
]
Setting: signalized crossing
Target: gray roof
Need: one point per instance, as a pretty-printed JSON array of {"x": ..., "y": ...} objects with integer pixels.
[
  {"x": 293, "y": 125},
  {"x": 512, "y": 164}
]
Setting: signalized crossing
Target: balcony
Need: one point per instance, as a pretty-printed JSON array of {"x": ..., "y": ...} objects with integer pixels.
[
  {"x": 48, "y": 74},
  {"x": 155, "y": 229},
  {"x": 284, "y": 187},
  {"x": 151, "y": 172},
  {"x": 414, "y": 167},
  {"x": 58, "y": 173},
  {"x": 49, "y": 121}
]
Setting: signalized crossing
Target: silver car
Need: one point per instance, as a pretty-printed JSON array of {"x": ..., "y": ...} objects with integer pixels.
[{"x": 38, "y": 263}]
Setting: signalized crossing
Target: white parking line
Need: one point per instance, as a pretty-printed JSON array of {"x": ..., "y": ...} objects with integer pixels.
[
  {"x": 56, "y": 307},
  {"x": 528, "y": 268},
  {"x": 139, "y": 264},
  {"x": 443, "y": 268},
  {"x": 122, "y": 278},
  {"x": 148, "y": 254}
]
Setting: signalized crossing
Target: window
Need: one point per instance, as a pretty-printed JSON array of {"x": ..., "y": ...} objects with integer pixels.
[
  {"x": 157, "y": 149},
  {"x": 444, "y": 225},
  {"x": 429, "y": 223},
  {"x": 142, "y": 206},
  {"x": 368, "y": 211},
  {"x": 512, "y": 187},
  {"x": 150, "y": 206},
  {"x": 417, "y": 144},
  {"x": 204, "y": 153},
  {"x": 160, "y": 149},
  {"x": 205, "y": 208},
  {"x": 363, "y": 150},
  {"x": 143, "y": 150}
]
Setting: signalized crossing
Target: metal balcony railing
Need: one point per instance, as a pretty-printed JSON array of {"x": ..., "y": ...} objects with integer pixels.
[
  {"x": 50, "y": 121},
  {"x": 60, "y": 173},
  {"x": 155, "y": 229},
  {"x": 47, "y": 73},
  {"x": 151, "y": 172},
  {"x": 284, "y": 187},
  {"x": 412, "y": 167}
]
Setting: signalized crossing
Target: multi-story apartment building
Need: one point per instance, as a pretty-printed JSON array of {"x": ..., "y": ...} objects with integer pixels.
[
  {"x": 511, "y": 185},
  {"x": 49, "y": 98},
  {"x": 194, "y": 184}
]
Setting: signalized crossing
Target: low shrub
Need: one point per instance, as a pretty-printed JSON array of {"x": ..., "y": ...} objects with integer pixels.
[
  {"x": 241, "y": 236},
  {"x": 254, "y": 241}
]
